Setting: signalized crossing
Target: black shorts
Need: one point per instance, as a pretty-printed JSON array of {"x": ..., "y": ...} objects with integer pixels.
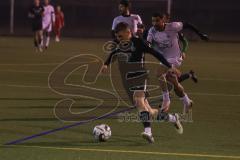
[
  {"x": 134, "y": 81},
  {"x": 137, "y": 80},
  {"x": 36, "y": 26}
]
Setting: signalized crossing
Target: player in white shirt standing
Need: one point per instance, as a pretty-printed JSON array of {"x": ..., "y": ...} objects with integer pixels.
[
  {"x": 133, "y": 20},
  {"x": 164, "y": 38},
  {"x": 48, "y": 22}
]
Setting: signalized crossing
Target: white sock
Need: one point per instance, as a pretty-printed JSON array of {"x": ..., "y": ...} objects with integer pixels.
[
  {"x": 166, "y": 101},
  {"x": 172, "y": 118},
  {"x": 42, "y": 42},
  {"x": 47, "y": 41},
  {"x": 148, "y": 130},
  {"x": 186, "y": 100},
  {"x": 166, "y": 96}
]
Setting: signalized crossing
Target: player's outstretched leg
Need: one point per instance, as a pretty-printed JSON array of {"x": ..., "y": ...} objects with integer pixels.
[
  {"x": 193, "y": 76},
  {"x": 139, "y": 99},
  {"x": 186, "y": 76},
  {"x": 58, "y": 33},
  {"x": 172, "y": 118},
  {"x": 46, "y": 40},
  {"x": 179, "y": 90},
  {"x": 165, "y": 93},
  {"x": 38, "y": 40}
]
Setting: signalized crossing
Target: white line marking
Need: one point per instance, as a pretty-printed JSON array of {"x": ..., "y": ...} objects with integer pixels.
[
  {"x": 214, "y": 94},
  {"x": 201, "y": 79},
  {"x": 191, "y": 93},
  {"x": 219, "y": 79}
]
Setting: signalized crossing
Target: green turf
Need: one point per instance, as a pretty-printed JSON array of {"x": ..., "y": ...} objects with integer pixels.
[{"x": 27, "y": 105}]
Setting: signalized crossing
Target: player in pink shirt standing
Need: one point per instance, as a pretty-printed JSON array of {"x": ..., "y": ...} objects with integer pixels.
[{"x": 48, "y": 22}]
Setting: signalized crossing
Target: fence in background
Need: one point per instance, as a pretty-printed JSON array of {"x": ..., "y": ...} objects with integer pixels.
[{"x": 93, "y": 18}]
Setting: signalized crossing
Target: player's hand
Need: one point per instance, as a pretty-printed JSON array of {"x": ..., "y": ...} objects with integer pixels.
[
  {"x": 31, "y": 15},
  {"x": 104, "y": 69},
  {"x": 183, "y": 55},
  {"x": 140, "y": 32},
  {"x": 204, "y": 37}
]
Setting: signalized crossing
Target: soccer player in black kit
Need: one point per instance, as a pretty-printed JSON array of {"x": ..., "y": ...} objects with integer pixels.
[
  {"x": 135, "y": 55},
  {"x": 36, "y": 14}
]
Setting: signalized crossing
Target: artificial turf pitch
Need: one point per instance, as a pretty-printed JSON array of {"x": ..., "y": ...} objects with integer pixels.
[{"x": 27, "y": 103}]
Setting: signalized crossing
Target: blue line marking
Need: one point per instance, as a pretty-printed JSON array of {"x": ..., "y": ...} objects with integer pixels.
[{"x": 66, "y": 127}]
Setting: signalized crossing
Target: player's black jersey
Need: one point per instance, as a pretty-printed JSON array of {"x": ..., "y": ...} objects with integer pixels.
[
  {"x": 37, "y": 13},
  {"x": 137, "y": 49}
]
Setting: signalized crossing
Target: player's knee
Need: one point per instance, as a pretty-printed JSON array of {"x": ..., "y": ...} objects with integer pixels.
[
  {"x": 172, "y": 78},
  {"x": 139, "y": 100},
  {"x": 179, "y": 90},
  {"x": 139, "y": 94}
]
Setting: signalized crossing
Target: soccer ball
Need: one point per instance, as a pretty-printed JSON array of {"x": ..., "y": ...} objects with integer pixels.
[{"x": 102, "y": 132}]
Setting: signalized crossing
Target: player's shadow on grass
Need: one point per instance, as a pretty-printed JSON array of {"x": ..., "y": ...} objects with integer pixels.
[{"x": 115, "y": 141}]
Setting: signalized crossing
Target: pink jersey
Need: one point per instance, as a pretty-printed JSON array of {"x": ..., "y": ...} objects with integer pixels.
[{"x": 48, "y": 17}]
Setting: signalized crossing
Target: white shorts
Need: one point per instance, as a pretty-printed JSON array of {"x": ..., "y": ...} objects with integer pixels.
[
  {"x": 175, "y": 62},
  {"x": 47, "y": 27}
]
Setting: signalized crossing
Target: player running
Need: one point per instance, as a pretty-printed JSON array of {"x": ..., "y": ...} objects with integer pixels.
[
  {"x": 183, "y": 44},
  {"x": 59, "y": 23},
  {"x": 47, "y": 22},
  {"x": 164, "y": 37},
  {"x": 137, "y": 88},
  {"x": 36, "y": 12},
  {"x": 133, "y": 20}
]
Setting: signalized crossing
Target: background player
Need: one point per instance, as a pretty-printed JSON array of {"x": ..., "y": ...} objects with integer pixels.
[
  {"x": 164, "y": 38},
  {"x": 59, "y": 23},
  {"x": 48, "y": 22},
  {"x": 183, "y": 44},
  {"x": 36, "y": 13},
  {"x": 133, "y": 20}
]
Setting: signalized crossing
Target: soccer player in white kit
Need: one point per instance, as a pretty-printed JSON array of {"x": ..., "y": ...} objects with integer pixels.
[
  {"x": 164, "y": 38},
  {"x": 48, "y": 22},
  {"x": 183, "y": 42},
  {"x": 133, "y": 20}
]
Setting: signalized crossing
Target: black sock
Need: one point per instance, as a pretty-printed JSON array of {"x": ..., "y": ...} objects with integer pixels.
[
  {"x": 162, "y": 116},
  {"x": 145, "y": 119},
  {"x": 183, "y": 77},
  {"x": 35, "y": 43}
]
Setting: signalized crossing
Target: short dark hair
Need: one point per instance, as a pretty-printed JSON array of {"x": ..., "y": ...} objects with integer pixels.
[
  {"x": 160, "y": 15},
  {"x": 167, "y": 15},
  {"x": 141, "y": 26},
  {"x": 126, "y": 3},
  {"x": 121, "y": 27}
]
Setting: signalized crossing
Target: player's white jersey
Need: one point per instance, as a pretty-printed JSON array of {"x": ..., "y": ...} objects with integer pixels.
[
  {"x": 167, "y": 42},
  {"x": 49, "y": 17},
  {"x": 132, "y": 20}
]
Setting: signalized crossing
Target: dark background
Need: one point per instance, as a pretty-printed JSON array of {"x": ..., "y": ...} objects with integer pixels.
[{"x": 93, "y": 18}]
